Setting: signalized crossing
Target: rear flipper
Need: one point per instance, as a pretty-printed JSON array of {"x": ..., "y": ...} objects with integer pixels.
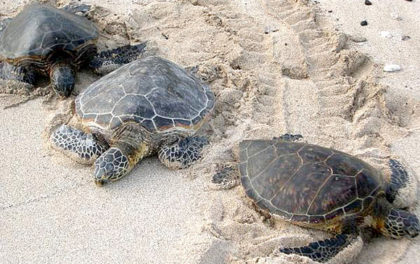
[
  {"x": 226, "y": 178},
  {"x": 289, "y": 137},
  {"x": 183, "y": 153},
  {"x": 10, "y": 72},
  {"x": 77, "y": 8},
  {"x": 77, "y": 145},
  {"x": 110, "y": 60},
  {"x": 323, "y": 250}
]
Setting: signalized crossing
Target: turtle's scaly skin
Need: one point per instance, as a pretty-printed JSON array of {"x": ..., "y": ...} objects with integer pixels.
[
  {"x": 45, "y": 40},
  {"x": 322, "y": 188},
  {"x": 41, "y": 29},
  {"x": 147, "y": 106},
  {"x": 153, "y": 92},
  {"x": 307, "y": 184}
]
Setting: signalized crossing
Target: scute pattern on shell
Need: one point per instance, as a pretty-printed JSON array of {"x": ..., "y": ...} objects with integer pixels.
[
  {"x": 306, "y": 183},
  {"x": 39, "y": 29},
  {"x": 154, "y": 92}
]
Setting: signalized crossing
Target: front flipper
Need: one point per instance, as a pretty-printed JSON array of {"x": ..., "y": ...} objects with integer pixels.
[
  {"x": 322, "y": 250},
  {"x": 20, "y": 74},
  {"x": 4, "y": 23},
  {"x": 401, "y": 188},
  {"x": 183, "y": 153},
  {"x": 109, "y": 60},
  {"x": 77, "y": 145}
]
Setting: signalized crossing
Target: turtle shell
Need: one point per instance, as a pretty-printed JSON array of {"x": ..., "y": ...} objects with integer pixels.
[
  {"x": 39, "y": 30},
  {"x": 154, "y": 92},
  {"x": 305, "y": 183}
]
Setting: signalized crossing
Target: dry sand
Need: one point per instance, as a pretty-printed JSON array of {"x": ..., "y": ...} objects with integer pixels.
[{"x": 276, "y": 67}]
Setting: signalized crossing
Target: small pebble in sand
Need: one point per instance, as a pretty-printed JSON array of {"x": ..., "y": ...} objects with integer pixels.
[
  {"x": 269, "y": 29},
  {"x": 405, "y": 37},
  {"x": 364, "y": 23},
  {"x": 386, "y": 34},
  {"x": 396, "y": 16},
  {"x": 367, "y": 2},
  {"x": 392, "y": 68}
]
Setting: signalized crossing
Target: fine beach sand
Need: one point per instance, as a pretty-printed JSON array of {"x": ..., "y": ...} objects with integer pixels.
[{"x": 276, "y": 66}]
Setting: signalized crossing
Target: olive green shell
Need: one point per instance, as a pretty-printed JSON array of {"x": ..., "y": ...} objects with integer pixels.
[
  {"x": 152, "y": 92},
  {"x": 306, "y": 183},
  {"x": 39, "y": 30}
]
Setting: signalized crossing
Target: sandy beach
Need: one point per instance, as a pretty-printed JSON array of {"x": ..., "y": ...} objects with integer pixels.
[{"x": 275, "y": 66}]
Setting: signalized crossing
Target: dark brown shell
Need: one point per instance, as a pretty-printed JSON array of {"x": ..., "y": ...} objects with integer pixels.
[
  {"x": 306, "y": 183},
  {"x": 152, "y": 92},
  {"x": 40, "y": 29}
]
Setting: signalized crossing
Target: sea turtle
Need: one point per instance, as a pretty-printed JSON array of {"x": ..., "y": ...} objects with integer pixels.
[
  {"x": 316, "y": 187},
  {"x": 147, "y": 106},
  {"x": 43, "y": 40}
]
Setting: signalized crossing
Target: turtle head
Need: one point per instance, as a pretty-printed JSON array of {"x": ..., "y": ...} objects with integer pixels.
[
  {"x": 399, "y": 223},
  {"x": 110, "y": 166},
  {"x": 62, "y": 79}
]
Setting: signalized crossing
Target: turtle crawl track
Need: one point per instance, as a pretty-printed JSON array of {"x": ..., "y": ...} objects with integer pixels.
[
  {"x": 299, "y": 57},
  {"x": 303, "y": 79}
]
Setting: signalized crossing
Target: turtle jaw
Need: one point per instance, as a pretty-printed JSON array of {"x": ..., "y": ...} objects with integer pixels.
[
  {"x": 110, "y": 166},
  {"x": 62, "y": 79},
  {"x": 102, "y": 177},
  {"x": 414, "y": 228},
  {"x": 100, "y": 182},
  {"x": 399, "y": 223},
  {"x": 413, "y": 233}
]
